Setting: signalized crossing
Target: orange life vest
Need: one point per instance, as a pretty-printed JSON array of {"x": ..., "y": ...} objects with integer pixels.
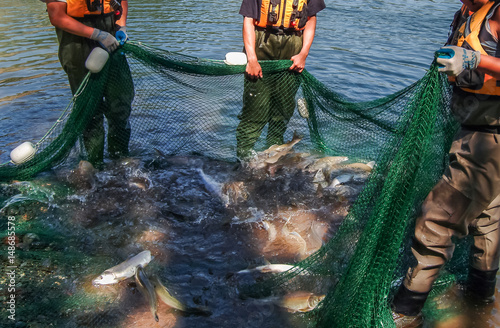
[
  {"x": 287, "y": 14},
  {"x": 468, "y": 37},
  {"x": 79, "y": 8}
]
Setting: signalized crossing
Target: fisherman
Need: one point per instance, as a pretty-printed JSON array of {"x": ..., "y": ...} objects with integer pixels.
[
  {"x": 82, "y": 25},
  {"x": 273, "y": 30},
  {"x": 467, "y": 198}
]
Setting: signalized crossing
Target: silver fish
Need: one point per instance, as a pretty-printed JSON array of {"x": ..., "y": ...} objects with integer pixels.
[
  {"x": 269, "y": 268},
  {"x": 123, "y": 270},
  {"x": 211, "y": 185},
  {"x": 147, "y": 289},
  {"x": 341, "y": 179}
]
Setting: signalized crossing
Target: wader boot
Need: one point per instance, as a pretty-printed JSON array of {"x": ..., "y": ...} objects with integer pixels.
[
  {"x": 407, "y": 308},
  {"x": 481, "y": 286}
]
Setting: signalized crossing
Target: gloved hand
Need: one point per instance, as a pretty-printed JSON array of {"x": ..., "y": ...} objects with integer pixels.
[
  {"x": 106, "y": 40},
  {"x": 121, "y": 35},
  {"x": 453, "y": 60}
]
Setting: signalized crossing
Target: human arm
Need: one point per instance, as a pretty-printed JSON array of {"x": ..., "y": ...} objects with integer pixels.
[
  {"x": 121, "y": 33},
  {"x": 253, "y": 69},
  {"x": 59, "y": 18},
  {"x": 490, "y": 65},
  {"x": 122, "y": 22},
  {"x": 469, "y": 59},
  {"x": 299, "y": 60}
]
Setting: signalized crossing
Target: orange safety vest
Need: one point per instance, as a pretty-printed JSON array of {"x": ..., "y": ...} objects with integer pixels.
[
  {"x": 287, "y": 14},
  {"x": 79, "y": 8},
  {"x": 468, "y": 37}
]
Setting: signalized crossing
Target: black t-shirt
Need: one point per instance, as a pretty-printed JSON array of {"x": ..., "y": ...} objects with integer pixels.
[{"x": 251, "y": 8}]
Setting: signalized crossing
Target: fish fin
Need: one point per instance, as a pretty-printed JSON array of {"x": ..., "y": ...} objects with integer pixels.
[
  {"x": 160, "y": 153},
  {"x": 319, "y": 190}
]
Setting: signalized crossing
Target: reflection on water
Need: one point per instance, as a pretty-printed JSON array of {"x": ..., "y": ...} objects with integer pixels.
[{"x": 453, "y": 310}]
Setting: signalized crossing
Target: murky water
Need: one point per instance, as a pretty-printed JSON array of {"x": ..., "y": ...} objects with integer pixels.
[{"x": 199, "y": 237}]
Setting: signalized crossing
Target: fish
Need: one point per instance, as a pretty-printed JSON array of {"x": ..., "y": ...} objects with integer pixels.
[
  {"x": 164, "y": 295},
  {"x": 326, "y": 162},
  {"x": 167, "y": 298},
  {"x": 320, "y": 179},
  {"x": 271, "y": 155},
  {"x": 271, "y": 230},
  {"x": 234, "y": 192},
  {"x": 341, "y": 179},
  {"x": 83, "y": 177},
  {"x": 187, "y": 161},
  {"x": 317, "y": 234},
  {"x": 147, "y": 289},
  {"x": 285, "y": 245},
  {"x": 368, "y": 167},
  {"x": 284, "y": 147},
  {"x": 129, "y": 162},
  {"x": 139, "y": 182},
  {"x": 269, "y": 268},
  {"x": 213, "y": 187},
  {"x": 123, "y": 270},
  {"x": 300, "y": 243},
  {"x": 300, "y": 301},
  {"x": 358, "y": 171},
  {"x": 210, "y": 184},
  {"x": 298, "y": 161}
]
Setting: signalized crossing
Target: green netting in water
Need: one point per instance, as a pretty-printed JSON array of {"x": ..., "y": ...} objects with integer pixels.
[
  {"x": 187, "y": 105},
  {"x": 366, "y": 258}
]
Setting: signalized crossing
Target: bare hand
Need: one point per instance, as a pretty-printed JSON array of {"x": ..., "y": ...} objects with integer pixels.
[
  {"x": 253, "y": 70},
  {"x": 299, "y": 62}
]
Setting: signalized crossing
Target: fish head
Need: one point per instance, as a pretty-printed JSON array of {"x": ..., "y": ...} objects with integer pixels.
[
  {"x": 83, "y": 177},
  {"x": 314, "y": 300},
  {"x": 105, "y": 278}
]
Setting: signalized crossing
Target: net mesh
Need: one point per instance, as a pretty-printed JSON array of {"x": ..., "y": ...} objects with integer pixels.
[{"x": 188, "y": 105}]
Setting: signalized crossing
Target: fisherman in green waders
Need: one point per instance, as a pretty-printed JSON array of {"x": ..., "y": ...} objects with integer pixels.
[
  {"x": 467, "y": 198},
  {"x": 273, "y": 30},
  {"x": 82, "y": 25}
]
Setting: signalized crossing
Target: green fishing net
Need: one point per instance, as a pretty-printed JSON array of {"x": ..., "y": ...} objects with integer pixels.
[{"x": 188, "y": 105}]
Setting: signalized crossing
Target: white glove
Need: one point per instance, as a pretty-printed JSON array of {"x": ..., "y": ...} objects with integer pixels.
[
  {"x": 106, "y": 40},
  {"x": 453, "y": 60}
]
